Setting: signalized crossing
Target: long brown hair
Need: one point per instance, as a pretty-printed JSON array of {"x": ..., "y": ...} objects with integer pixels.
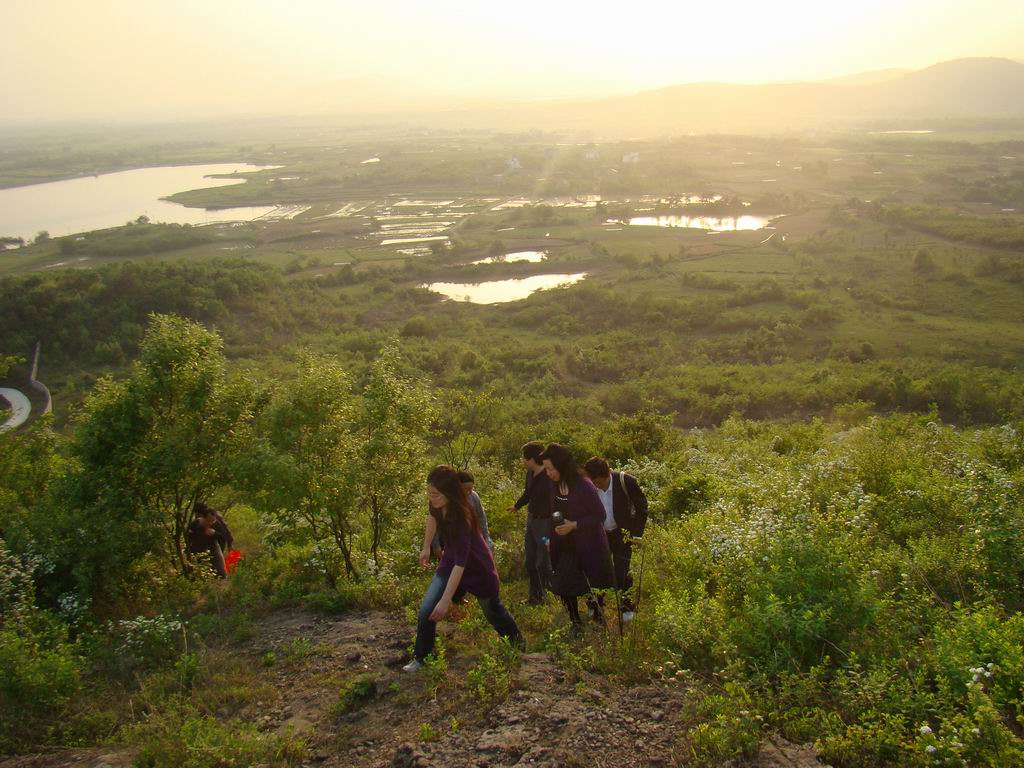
[{"x": 460, "y": 511}]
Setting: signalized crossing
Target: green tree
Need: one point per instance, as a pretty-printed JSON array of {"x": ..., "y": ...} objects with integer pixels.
[
  {"x": 305, "y": 475},
  {"x": 151, "y": 446},
  {"x": 345, "y": 462},
  {"x": 389, "y": 445},
  {"x": 29, "y": 464},
  {"x": 463, "y": 418}
]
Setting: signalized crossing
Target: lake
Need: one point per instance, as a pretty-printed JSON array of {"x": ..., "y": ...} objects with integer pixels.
[
  {"x": 499, "y": 291},
  {"x": 710, "y": 223},
  {"x": 527, "y": 256},
  {"x": 111, "y": 199}
]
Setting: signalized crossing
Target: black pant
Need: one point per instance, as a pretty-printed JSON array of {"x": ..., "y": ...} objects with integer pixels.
[
  {"x": 595, "y": 603},
  {"x": 622, "y": 550},
  {"x": 538, "y": 562}
]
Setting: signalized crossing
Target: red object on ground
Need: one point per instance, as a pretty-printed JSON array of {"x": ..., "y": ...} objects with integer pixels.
[{"x": 232, "y": 559}]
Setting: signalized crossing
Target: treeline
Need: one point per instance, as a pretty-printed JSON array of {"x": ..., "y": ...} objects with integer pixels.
[
  {"x": 592, "y": 307},
  {"x": 706, "y": 348},
  {"x": 139, "y": 238},
  {"x": 706, "y": 395},
  {"x": 33, "y": 165},
  {"x": 1005, "y": 190},
  {"x": 994, "y": 231},
  {"x": 96, "y": 317}
]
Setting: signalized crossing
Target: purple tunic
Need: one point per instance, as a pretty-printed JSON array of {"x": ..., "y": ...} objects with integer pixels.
[{"x": 467, "y": 548}]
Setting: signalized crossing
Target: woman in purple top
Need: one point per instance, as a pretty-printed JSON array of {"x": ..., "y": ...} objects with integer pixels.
[
  {"x": 466, "y": 564},
  {"x": 582, "y": 534}
]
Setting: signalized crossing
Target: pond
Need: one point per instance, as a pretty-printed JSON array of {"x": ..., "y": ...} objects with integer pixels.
[
  {"x": 710, "y": 223},
  {"x": 407, "y": 240},
  {"x": 532, "y": 257},
  {"x": 499, "y": 291},
  {"x": 111, "y": 199}
]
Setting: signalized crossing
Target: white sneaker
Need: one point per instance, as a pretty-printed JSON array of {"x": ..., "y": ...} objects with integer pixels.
[
  {"x": 628, "y": 616},
  {"x": 413, "y": 666}
]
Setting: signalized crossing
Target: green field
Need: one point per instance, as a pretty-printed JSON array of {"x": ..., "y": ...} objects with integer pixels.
[{"x": 862, "y": 268}]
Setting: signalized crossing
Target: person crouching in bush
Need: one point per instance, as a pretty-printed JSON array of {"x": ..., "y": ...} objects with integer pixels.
[
  {"x": 580, "y": 558},
  {"x": 209, "y": 533},
  {"x": 466, "y": 564}
]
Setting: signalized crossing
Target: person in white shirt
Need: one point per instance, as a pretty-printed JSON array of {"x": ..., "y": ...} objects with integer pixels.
[{"x": 625, "y": 508}]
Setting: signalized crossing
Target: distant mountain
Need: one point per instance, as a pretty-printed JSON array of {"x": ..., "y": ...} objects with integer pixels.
[
  {"x": 954, "y": 88},
  {"x": 962, "y": 88},
  {"x": 959, "y": 88},
  {"x": 869, "y": 78}
]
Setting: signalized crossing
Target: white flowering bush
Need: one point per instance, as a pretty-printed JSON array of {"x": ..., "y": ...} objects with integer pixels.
[
  {"x": 867, "y": 581},
  {"x": 148, "y": 640},
  {"x": 17, "y": 594},
  {"x": 73, "y": 607},
  {"x": 39, "y": 667}
]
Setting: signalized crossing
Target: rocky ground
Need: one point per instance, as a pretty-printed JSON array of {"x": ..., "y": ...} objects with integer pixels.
[{"x": 551, "y": 717}]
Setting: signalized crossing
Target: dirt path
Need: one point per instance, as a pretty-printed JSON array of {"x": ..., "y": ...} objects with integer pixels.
[
  {"x": 550, "y": 719},
  {"x": 547, "y": 720}
]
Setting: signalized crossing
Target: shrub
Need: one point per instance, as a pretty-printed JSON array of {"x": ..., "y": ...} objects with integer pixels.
[
  {"x": 419, "y": 327},
  {"x": 489, "y": 682},
  {"x": 354, "y": 693},
  {"x": 177, "y": 740},
  {"x": 731, "y": 727},
  {"x": 40, "y": 674}
]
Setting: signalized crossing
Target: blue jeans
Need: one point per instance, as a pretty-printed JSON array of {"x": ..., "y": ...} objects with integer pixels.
[{"x": 426, "y": 630}]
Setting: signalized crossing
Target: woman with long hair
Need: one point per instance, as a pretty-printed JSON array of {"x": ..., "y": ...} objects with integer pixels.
[
  {"x": 466, "y": 565},
  {"x": 580, "y": 558}
]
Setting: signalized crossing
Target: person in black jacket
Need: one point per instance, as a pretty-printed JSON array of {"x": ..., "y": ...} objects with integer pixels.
[
  {"x": 210, "y": 533},
  {"x": 625, "y": 517},
  {"x": 537, "y": 499}
]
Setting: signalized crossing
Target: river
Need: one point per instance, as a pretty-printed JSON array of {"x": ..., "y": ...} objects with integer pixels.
[{"x": 111, "y": 199}]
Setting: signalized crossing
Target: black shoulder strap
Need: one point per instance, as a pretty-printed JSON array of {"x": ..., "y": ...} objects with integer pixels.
[{"x": 622, "y": 482}]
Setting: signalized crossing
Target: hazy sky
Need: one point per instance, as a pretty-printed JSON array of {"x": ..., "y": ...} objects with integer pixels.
[{"x": 187, "y": 58}]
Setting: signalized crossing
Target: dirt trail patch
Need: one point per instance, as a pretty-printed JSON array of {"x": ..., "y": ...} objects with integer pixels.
[
  {"x": 76, "y": 758},
  {"x": 551, "y": 719}
]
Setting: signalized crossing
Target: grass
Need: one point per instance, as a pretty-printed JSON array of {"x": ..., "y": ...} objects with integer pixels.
[{"x": 354, "y": 693}]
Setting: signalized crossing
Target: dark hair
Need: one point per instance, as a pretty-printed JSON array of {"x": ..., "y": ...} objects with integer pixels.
[
  {"x": 597, "y": 467},
  {"x": 202, "y": 509},
  {"x": 460, "y": 511},
  {"x": 533, "y": 450},
  {"x": 561, "y": 458},
  {"x": 465, "y": 476}
]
